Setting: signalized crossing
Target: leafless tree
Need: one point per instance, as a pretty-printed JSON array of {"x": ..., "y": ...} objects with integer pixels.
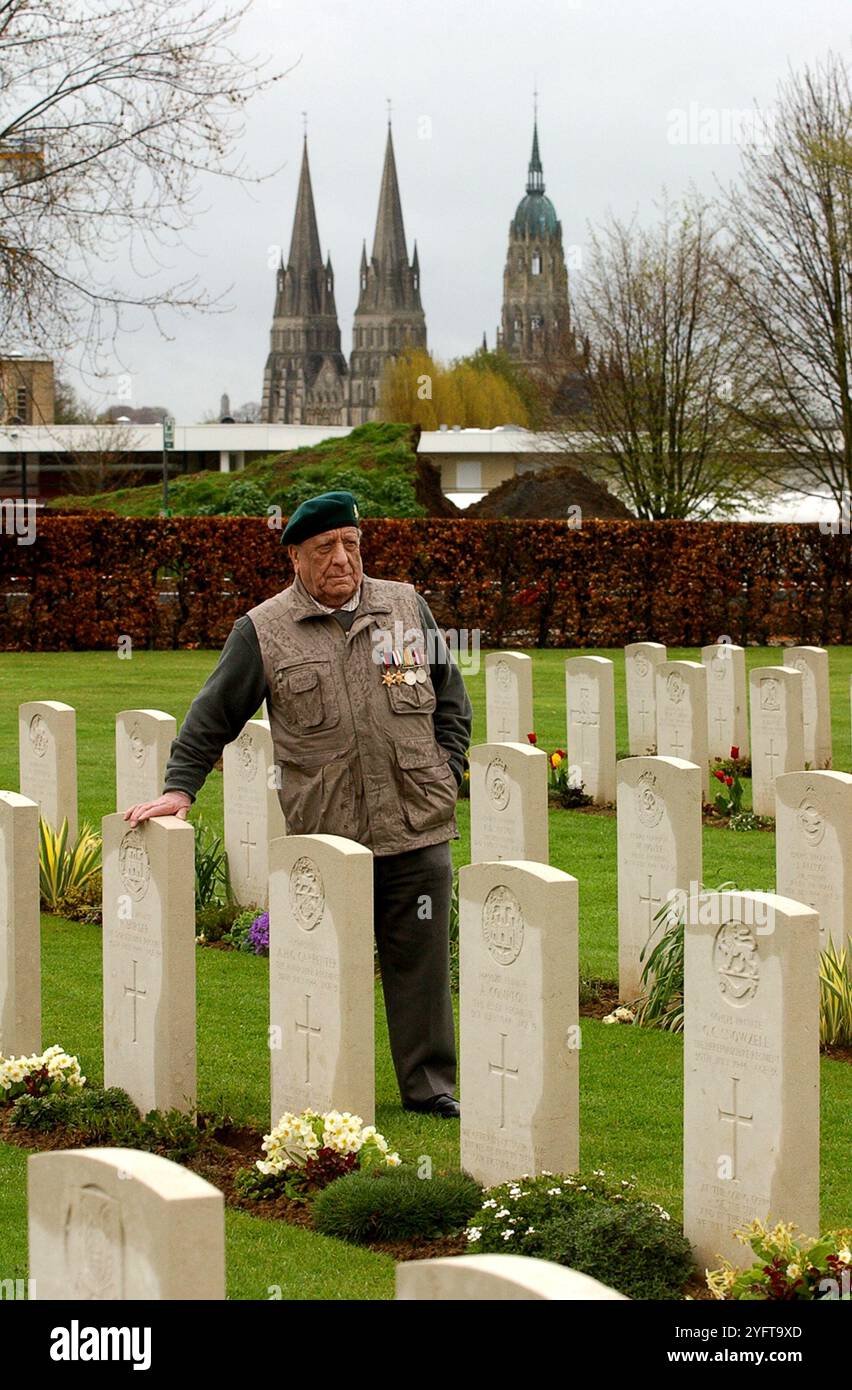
[
  {"x": 101, "y": 458},
  {"x": 113, "y": 111},
  {"x": 647, "y": 399},
  {"x": 792, "y": 216}
]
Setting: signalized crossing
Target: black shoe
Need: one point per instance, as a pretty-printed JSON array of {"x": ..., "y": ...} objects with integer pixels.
[{"x": 447, "y": 1107}]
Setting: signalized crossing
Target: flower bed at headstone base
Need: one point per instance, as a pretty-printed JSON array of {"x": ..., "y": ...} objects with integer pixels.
[{"x": 180, "y": 582}]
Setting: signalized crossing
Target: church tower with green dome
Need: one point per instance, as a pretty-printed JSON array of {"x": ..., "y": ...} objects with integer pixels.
[{"x": 535, "y": 281}]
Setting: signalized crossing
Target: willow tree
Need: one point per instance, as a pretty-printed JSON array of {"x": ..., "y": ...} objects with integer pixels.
[{"x": 418, "y": 390}]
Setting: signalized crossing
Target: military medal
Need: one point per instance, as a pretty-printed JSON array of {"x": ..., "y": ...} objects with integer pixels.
[
  {"x": 420, "y": 672},
  {"x": 409, "y": 675},
  {"x": 398, "y": 677}
]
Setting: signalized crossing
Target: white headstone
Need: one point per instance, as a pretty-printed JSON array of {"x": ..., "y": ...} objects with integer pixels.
[
  {"x": 143, "y": 739},
  {"x": 118, "y": 1225},
  {"x": 493, "y": 1278},
  {"x": 590, "y": 703},
  {"x": 508, "y": 697},
  {"x": 727, "y": 699},
  {"x": 47, "y": 746},
  {"x": 751, "y": 1069},
  {"x": 321, "y": 975},
  {"x": 659, "y": 853},
  {"x": 149, "y": 961},
  {"x": 813, "y": 847},
  {"x": 508, "y": 802},
  {"x": 682, "y": 715},
  {"x": 519, "y": 1035},
  {"x": 812, "y": 662},
  {"x": 253, "y": 814},
  {"x": 20, "y": 953},
  {"x": 777, "y": 743},
  {"x": 641, "y": 660}
]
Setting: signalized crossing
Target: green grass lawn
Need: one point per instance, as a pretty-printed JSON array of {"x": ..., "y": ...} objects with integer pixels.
[{"x": 630, "y": 1078}]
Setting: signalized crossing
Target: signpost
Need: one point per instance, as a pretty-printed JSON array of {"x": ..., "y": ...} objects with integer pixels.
[{"x": 168, "y": 443}]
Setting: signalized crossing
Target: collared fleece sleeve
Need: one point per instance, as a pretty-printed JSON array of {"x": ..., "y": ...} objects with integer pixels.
[
  {"x": 232, "y": 693},
  {"x": 453, "y": 717}
]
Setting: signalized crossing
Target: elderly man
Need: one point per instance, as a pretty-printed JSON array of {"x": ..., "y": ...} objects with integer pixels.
[{"x": 370, "y": 725}]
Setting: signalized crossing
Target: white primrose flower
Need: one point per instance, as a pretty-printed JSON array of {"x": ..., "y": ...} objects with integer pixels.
[{"x": 393, "y": 1160}]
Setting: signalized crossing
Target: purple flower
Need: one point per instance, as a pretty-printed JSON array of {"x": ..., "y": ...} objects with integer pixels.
[{"x": 259, "y": 934}]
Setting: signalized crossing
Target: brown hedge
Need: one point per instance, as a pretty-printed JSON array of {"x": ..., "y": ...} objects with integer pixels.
[{"x": 181, "y": 582}]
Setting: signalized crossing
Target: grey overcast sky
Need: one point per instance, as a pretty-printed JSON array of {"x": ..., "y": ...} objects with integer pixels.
[{"x": 460, "y": 75}]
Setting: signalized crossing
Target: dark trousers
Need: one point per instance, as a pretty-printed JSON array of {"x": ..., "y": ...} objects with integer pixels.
[{"x": 412, "y": 893}]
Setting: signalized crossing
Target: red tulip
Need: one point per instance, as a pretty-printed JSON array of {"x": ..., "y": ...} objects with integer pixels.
[
  {"x": 729, "y": 781},
  {"x": 718, "y": 773},
  {"x": 533, "y": 738},
  {"x": 735, "y": 752}
]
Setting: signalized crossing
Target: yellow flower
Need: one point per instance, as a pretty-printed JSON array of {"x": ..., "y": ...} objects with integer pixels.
[
  {"x": 794, "y": 1271},
  {"x": 555, "y": 759}
]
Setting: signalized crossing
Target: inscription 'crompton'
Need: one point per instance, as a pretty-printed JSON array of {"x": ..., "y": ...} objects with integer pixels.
[{"x": 307, "y": 894}]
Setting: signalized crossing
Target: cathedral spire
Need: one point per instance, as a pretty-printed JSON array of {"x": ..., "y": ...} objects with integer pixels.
[
  {"x": 535, "y": 174},
  {"x": 305, "y": 254},
  {"x": 389, "y": 249}
]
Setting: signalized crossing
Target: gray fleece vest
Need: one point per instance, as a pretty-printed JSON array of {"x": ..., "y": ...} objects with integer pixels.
[{"x": 356, "y": 757}]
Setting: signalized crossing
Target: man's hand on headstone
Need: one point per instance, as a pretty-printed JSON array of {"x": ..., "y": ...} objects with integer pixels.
[{"x": 169, "y": 804}]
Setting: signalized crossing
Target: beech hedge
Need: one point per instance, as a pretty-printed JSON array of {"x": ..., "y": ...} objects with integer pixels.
[{"x": 89, "y": 581}]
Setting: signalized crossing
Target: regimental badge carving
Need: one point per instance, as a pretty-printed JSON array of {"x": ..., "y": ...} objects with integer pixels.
[
  {"x": 675, "y": 687},
  {"x": 138, "y": 746},
  {"x": 810, "y": 819},
  {"x": 769, "y": 694},
  {"x": 502, "y": 925},
  {"x": 307, "y": 894},
  {"x": 39, "y": 736},
  {"x": 134, "y": 866},
  {"x": 736, "y": 961},
  {"x": 642, "y": 665},
  {"x": 247, "y": 756},
  {"x": 719, "y": 666},
  {"x": 502, "y": 675},
  {"x": 94, "y": 1245},
  {"x": 649, "y": 805},
  {"x": 497, "y": 783}
]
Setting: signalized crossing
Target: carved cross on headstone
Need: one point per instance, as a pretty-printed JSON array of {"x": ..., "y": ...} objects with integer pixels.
[
  {"x": 307, "y": 1029},
  {"x": 650, "y": 899},
  {"x": 734, "y": 1118},
  {"x": 500, "y": 1069},
  {"x": 772, "y": 755},
  {"x": 135, "y": 993},
  {"x": 677, "y": 746},
  {"x": 581, "y": 719},
  {"x": 248, "y": 845},
  {"x": 505, "y": 734},
  {"x": 643, "y": 712},
  {"x": 720, "y": 721}
]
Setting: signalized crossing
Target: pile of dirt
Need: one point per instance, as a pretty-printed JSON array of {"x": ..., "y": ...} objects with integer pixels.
[
  {"x": 428, "y": 491},
  {"x": 551, "y": 494}
]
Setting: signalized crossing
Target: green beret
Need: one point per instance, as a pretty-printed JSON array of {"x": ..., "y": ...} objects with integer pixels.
[{"x": 327, "y": 512}]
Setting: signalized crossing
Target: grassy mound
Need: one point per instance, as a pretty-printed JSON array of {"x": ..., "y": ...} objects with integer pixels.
[{"x": 378, "y": 462}]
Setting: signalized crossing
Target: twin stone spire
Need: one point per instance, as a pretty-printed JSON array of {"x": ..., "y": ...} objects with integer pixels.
[{"x": 306, "y": 380}]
